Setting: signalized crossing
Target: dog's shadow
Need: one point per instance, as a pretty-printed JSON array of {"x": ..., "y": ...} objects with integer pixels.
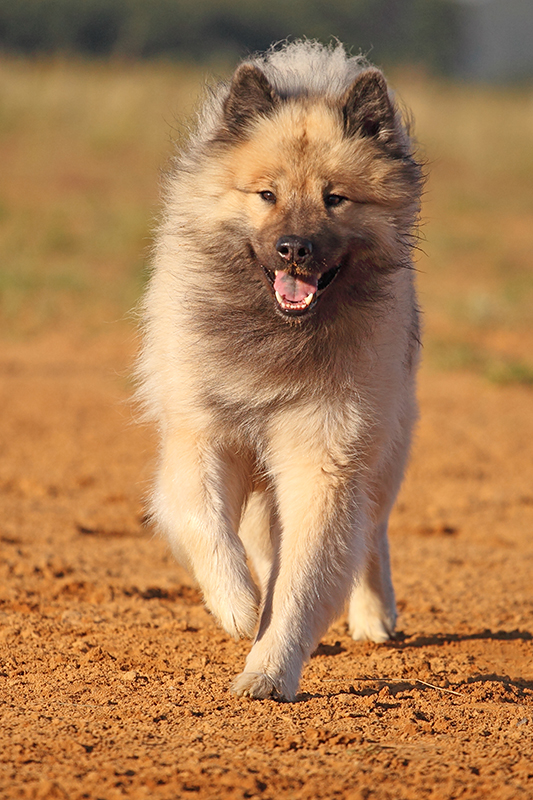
[
  {"x": 520, "y": 684},
  {"x": 328, "y": 650},
  {"x": 403, "y": 642},
  {"x": 517, "y": 688}
]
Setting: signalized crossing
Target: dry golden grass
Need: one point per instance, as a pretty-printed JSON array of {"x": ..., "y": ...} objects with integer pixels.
[
  {"x": 81, "y": 144},
  {"x": 476, "y": 277}
]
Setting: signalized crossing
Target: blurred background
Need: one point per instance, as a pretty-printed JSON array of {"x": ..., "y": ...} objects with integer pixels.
[{"x": 93, "y": 94}]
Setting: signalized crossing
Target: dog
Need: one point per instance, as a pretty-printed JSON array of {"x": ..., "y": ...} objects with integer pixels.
[{"x": 280, "y": 346}]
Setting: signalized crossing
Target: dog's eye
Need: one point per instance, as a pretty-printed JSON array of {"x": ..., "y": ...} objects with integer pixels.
[
  {"x": 268, "y": 197},
  {"x": 334, "y": 200}
]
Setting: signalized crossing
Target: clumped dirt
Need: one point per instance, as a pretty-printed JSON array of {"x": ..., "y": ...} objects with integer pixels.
[{"x": 114, "y": 679}]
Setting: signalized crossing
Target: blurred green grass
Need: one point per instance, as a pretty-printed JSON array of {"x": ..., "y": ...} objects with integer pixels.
[{"x": 81, "y": 147}]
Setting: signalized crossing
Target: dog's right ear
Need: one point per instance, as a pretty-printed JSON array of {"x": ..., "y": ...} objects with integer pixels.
[{"x": 250, "y": 95}]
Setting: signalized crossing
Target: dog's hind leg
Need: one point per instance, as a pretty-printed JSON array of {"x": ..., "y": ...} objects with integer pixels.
[
  {"x": 372, "y": 610},
  {"x": 255, "y": 532},
  {"x": 198, "y": 500}
]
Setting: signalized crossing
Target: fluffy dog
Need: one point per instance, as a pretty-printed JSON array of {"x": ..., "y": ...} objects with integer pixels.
[{"x": 281, "y": 340}]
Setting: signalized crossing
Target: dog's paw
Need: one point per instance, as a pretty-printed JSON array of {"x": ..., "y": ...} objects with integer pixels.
[
  {"x": 371, "y": 630},
  {"x": 257, "y": 685},
  {"x": 371, "y": 618},
  {"x": 237, "y": 614},
  {"x": 234, "y": 603}
]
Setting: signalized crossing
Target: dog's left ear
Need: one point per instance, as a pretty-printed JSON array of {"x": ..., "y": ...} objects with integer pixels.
[
  {"x": 368, "y": 110},
  {"x": 250, "y": 95}
]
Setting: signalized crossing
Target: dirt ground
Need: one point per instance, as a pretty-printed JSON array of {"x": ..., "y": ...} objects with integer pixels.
[{"x": 115, "y": 679}]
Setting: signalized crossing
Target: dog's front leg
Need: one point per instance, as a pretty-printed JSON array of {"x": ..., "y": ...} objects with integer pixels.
[
  {"x": 198, "y": 500},
  {"x": 322, "y": 520}
]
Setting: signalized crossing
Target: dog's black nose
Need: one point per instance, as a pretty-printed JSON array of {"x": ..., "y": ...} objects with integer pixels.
[{"x": 294, "y": 249}]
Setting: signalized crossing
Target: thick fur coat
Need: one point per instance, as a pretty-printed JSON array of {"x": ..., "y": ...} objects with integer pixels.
[{"x": 280, "y": 349}]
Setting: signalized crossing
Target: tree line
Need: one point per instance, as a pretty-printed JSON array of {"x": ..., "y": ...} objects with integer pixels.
[{"x": 389, "y": 31}]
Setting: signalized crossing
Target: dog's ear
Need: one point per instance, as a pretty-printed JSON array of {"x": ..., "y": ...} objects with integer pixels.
[
  {"x": 368, "y": 111},
  {"x": 250, "y": 95}
]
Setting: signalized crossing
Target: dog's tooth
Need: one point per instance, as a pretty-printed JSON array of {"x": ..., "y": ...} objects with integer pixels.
[
  {"x": 279, "y": 298},
  {"x": 309, "y": 299}
]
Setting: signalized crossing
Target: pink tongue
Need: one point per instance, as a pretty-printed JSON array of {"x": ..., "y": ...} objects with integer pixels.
[{"x": 295, "y": 289}]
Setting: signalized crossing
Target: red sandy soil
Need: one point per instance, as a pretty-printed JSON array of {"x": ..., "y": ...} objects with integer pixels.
[{"x": 114, "y": 679}]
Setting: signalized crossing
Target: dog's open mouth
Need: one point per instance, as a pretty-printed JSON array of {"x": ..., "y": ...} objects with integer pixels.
[{"x": 297, "y": 294}]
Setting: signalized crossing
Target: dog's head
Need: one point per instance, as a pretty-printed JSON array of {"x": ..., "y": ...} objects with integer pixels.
[{"x": 326, "y": 187}]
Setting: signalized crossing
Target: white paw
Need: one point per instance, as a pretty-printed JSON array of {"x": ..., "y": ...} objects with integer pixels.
[
  {"x": 272, "y": 669},
  {"x": 370, "y": 618},
  {"x": 236, "y": 611},
  {"x": 257, "y": 685},
  {"x": 371, "y": 630}
]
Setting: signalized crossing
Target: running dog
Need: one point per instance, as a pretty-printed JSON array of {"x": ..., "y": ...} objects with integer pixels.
[{"x": 281, "y": 340}]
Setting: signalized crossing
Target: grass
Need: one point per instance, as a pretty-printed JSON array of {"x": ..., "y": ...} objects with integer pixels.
[
  {"x": 461, "y": 355},
  {"x": 476, "y": 280},
  {"x": 81, "y": 145}
]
